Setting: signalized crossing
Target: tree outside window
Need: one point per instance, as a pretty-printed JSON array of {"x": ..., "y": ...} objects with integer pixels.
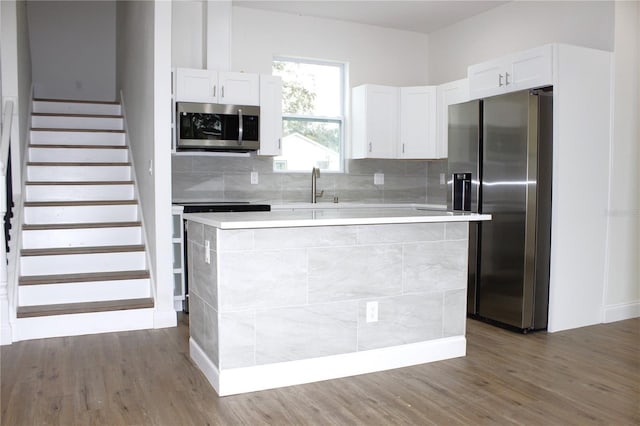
[{"x": 312, "y": 105}]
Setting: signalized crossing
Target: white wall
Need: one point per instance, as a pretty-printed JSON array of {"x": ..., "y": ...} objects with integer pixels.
[
  {"x": 622, "y": 294},
  {"x": 517, "y": 26},
  {"x": 187, "y": 36},
  {"x": 375, "y": 55},
  {"x": 73, "y": 49},
  {"x": 602, "y": 25},
  {"x": 16, "y": 78},
  {"x": 143, "y": 77}
]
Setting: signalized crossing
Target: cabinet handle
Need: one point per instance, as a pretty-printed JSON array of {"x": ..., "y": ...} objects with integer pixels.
[
  {"x": 279, "y": 143},
  {"x": 403, "y": 148},
  {"x": 369, "y": 146},
  {"x": 506, "y": 78},
  {"x": 500, "y": 80},
  {"x": 222, "y": 91},
  {"x": 214, "y": 90}
]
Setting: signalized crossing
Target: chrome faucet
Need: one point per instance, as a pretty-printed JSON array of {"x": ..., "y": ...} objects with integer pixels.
[{"x": 315, "y": 173}]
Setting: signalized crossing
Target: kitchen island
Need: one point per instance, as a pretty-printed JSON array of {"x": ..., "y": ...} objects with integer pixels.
[{"x": 295, "y": 296}]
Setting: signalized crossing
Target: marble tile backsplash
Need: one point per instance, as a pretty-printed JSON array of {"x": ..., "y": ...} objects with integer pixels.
[{"x": 207, "y": 178}]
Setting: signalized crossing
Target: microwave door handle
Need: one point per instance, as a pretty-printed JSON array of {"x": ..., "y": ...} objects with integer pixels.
[{"x": 240, "y": 128}]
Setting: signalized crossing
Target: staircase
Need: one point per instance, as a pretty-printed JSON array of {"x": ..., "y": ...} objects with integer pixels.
[{"x": 83, "y": 265}]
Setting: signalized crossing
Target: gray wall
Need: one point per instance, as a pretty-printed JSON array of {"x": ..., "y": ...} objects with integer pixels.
[{"x": 73, "y": 49}]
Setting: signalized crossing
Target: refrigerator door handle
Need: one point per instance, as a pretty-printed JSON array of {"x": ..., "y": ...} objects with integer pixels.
[{"x": 500, "y": 80}]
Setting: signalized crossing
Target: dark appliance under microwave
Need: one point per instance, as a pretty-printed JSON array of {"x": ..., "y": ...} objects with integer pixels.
[{"x": 217, "y": 127}]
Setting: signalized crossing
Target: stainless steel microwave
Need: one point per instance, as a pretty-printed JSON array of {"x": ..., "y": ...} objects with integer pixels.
[{"x": 217, "y": 127}]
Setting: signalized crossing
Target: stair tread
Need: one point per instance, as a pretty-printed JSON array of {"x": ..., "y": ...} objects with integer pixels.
[
  {"x": 50, "y": 226},
  {"x": 56, "y": 129},
  {"x": 77, "y": 163},
  {"x": 59, "y": 251},
  {"x": 83, "y": 182},
  {"x": 63, "y": 114},
  {"x": 76, "y": 101},
  {"x": 78, "y": 203},
  {"x": 84, "y": 307},
  {"x": 62, "y": 146},
  {"x": 83, "y": 277}
]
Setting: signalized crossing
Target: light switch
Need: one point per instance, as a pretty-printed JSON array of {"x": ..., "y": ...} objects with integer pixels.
[
  {"x": 378, "y": 178},
  {"x": 254, "y": 178},
  {"x": 207, "y": 251},
  {"x": 442, "y": 179}
]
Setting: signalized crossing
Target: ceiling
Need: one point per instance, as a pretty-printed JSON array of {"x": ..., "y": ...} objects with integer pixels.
[{"x": 423, "y": 16}]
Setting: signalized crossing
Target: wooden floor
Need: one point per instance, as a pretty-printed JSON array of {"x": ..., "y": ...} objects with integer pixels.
[{"x": 581, "y": 377}]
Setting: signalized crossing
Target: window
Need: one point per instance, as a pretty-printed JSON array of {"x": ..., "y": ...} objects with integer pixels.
[{"x": 312, "y": 115}]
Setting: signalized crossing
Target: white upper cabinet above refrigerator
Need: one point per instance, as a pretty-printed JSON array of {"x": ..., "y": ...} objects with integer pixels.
[
  {"x": 235, "y": 88},
  {"x": 523, "y": 70}
]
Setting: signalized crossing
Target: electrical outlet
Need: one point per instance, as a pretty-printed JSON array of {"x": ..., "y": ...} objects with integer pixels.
[
  {"x": 442, "y": 179},
  {"x": 207, "y": 251},
  {"x": 378, "y": 178},
  {"x": 372, "y": 311},
  {"x": 254, "y": 178}
]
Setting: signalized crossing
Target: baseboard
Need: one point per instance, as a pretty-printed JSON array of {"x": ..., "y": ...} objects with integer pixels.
[
  {"x": 165, "y": 319},
  {"x": 205, "y": 365},
  {"x": 250, "y": 379},
  {"x": 621, "y": 311}
]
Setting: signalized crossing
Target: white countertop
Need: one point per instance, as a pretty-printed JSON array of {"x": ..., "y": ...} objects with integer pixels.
[{"x": 300, "y": 217}]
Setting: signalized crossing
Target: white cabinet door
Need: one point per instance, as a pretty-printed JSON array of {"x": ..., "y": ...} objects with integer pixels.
[
  {"x": 270, "y": 115},
  {"x": 417, "y": 122},
  {"x": 194, "y": 85},
  {"x": 524, "y": 70},
  {"x": 486, "y": 79},
  {"x": 374, "y": 121},
  {"x": 451, "y": 93},
  {"x": 238, "y": 88},
  {"x": 531, "y": 68}
]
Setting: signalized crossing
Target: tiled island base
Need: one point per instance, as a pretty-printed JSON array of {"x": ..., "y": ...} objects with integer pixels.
[{"x": 283, "y": 306}]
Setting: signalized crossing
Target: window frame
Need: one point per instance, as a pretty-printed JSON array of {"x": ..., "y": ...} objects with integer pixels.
[{"x": 342, "y": 66}]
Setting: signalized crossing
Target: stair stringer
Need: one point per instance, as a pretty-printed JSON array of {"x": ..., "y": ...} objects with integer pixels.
[{"x": 162, "y": 318}]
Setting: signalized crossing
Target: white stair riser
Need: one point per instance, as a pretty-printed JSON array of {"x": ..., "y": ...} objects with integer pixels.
[
  {"x": 63, "y": 122},
  {"x": 78, "y": 192},
  {"x": 79, "y": 324},
  {"x": 78, "y": 154},
  {"x": 81, "y": 214},
  {"x": 78, "y": 173},
  {"x": 75, "y": 108},
  {"x": 97, "y": 291},
  {"x": 39, "y": 137},
  {"x": 86, "y": 237},
  {"x": 82, "y": 263}
]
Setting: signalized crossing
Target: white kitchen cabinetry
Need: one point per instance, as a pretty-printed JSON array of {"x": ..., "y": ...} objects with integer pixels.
[
  {"x": 417, "y": 122},
  {"x": 177, "y": 244},
  {"x": 374, "y": 121},
  {"x": 270, "y": 115},
  {"x": 196, "y": 85},
  {"x": 523, "y": 70},
  {"x": 451, "y": 93}
]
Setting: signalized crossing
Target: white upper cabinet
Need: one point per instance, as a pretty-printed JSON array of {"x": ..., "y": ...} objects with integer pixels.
[
  {"x": 270, "y": 115},
  {"x": 238, "y": 88},
  {"x": 196, "y": 85},
  {"x": 374, "y": 121},
  {"x": 417, "y": 122},
  {"x": 451, "y": 93},
  {"x": 524, "y": 70}
]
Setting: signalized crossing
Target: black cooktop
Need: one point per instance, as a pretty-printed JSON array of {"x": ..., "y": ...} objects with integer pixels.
[{"x": 223, "y": 206}]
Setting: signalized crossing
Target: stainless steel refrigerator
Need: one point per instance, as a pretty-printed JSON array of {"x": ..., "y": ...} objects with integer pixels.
[{"x": 500, "y": 162}]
